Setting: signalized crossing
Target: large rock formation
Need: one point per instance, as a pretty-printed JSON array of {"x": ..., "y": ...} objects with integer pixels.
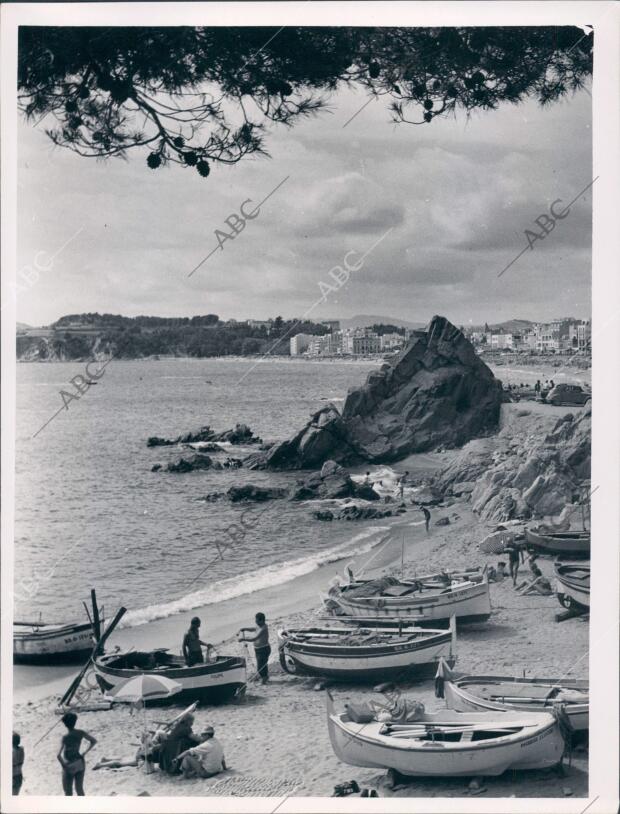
[
  {"x": 436, "y": 392},
  {"x": 533, "y": 468}
]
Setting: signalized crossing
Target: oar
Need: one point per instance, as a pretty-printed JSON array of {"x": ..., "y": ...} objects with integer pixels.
[
  {"x": 449, "y": 724},
  {"x": 464, "y": 728},
  {"x": 96, "y": 649},
  {"x": 96, "y": 620}
]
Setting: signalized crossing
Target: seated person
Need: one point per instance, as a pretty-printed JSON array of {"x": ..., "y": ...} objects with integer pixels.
[
  {"x": 539, "y": 585},
  {"x": 398, "y": 709},
  {"x": 204, "y": 760},
  {"x": 492, "y": 574},
  {"x": 180, "y": 738}
]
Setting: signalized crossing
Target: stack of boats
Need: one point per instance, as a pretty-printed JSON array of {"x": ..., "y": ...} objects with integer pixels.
[{"x": 492, "y": 723}]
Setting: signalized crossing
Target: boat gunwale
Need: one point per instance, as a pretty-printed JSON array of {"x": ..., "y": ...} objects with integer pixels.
[
  {"x": 546, "y": 704},
  {"x": 201, "y": 669},
  {"x": 387, "y": 648},
  {"x": 454, "y": 597}
]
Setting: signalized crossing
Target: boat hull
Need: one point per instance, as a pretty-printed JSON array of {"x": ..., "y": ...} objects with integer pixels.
[
  {"x": 572, "y": 592},
  {"x": 539, "y": 746},
  {"x": 574, "y": 545},
  {"x": 211, "y": 683},
  {"x": 460, "y": 699},
  {"x": 471, "y": 603},
  {"x": 362, "y": 664},
  {"x": 53, "y": 644}
]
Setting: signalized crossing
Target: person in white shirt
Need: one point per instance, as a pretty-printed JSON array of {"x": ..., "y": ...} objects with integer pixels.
[{"x": 204, "y": 760}]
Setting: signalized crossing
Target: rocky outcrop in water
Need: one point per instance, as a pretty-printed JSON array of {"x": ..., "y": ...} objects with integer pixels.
[
  {"x": 534, "y": 467},
  {"x": 255, "y": 494},
  {"x": 355, "y": 512},
  {"x": 240, "y": 434},
  {"x": 331, "y": 483},
  {"x": 436, "y": 392},
  {"x": 191, "y": 464}
]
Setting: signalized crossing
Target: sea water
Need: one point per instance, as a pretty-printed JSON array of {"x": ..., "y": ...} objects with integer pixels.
[{"x": 90, "y": 512}]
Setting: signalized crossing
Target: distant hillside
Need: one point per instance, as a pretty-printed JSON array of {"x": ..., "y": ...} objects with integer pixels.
[
  {"x": 509, "y": 326},
  {"x": 366, "y": 320},
  {"x": 87, "y": 336},
  {"x": 513, "y": 326}
]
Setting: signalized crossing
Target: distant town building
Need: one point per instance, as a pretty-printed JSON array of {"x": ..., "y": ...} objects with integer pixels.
[
  {"x": 364, "y": 345},
  {"x": 392, "y": 341},
  {"x": 584, "y": 335},
  {"x": 260, "y": 323},
  {"x": 300, "y": 343}
]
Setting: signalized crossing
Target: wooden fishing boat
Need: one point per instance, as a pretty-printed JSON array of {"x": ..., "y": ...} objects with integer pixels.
[
  {"x": 571, "y": 543},
  {"x": 38, "y": 642},
  {"x": 449, "y": 743},
  {"x": 466, "y": 600},
  {"x": 573, "y": 585},
  {"x": 365, "y": 654},
  {"x": 211, "y": 682},
  {"x": 507, "y": 694}
]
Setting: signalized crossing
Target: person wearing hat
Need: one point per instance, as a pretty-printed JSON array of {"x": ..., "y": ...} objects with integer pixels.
[
  {"x": 192, "y": 644},
  {"x": 204, "y": 760}
]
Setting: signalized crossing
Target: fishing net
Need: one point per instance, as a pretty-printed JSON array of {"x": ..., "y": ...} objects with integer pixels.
[{"x": 253, "y": 787}]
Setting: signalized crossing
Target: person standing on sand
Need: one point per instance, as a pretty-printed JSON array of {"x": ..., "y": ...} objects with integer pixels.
[
  {"x": 70, "y": 757},
  {"x": 427, "y": 517},
  {"x": 18, "y": 761},
  {"x": 262, "y": 649},
  {"x": 512, "y": 549},
  {"x": 192, "y": 644}
]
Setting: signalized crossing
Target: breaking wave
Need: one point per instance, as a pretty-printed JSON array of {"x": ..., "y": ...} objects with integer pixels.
[{"x": 270, "y": 575}]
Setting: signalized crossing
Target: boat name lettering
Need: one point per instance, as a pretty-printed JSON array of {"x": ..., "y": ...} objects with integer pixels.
[{"x": 530, "y": 741}]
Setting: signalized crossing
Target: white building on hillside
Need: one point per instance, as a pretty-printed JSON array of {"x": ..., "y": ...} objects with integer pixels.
[{"x": 300, "y": 343}]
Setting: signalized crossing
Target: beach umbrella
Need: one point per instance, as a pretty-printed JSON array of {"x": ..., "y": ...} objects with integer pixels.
[{"x": 142, "y": 688}]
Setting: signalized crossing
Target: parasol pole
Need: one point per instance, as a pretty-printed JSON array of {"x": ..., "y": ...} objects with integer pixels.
[{"x": 402, "y": 559}]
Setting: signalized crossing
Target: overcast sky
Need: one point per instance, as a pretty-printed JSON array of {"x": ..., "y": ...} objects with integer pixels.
[{"x": 457, "y": 196}]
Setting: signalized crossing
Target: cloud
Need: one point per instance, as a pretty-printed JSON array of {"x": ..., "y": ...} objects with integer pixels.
[{"x": 457, "y": 196}]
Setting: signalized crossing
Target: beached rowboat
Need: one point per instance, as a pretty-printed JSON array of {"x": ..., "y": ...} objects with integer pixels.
[
  {"x": 449, "y": 743},
  {"x": 570, "y": 543},
  {"x": 365, "y": 654},
  {"x": 211, "y": 682},
  {"x": 573, "y": 585},
  {"x": 37, "y": 642},
  {"x": 466, "y": 600},
  {"x": 507, "y": 694}
]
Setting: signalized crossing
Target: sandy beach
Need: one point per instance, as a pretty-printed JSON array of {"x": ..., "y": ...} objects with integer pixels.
[{"x": 260, "y": 734}]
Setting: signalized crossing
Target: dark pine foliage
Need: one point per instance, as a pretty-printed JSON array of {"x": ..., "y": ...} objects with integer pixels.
[{"x": 203, "y": 96}]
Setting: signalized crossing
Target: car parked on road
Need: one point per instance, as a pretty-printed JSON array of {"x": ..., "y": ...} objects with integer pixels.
[{"x": 567, "y": 395}]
